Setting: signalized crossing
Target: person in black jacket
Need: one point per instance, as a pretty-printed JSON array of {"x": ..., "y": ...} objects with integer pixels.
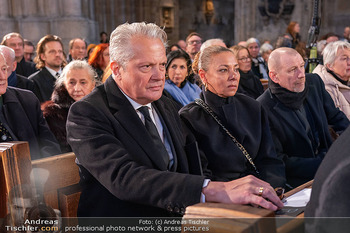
[
  {"x": 22, "y": 120},
  {"x": 300, "y": 111},
  {"x": 50, "y": 60},
  {"x": 244, "y": 118}
]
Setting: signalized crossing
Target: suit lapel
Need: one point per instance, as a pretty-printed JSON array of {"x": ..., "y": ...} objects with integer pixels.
[{"x": 127, "y": 117}]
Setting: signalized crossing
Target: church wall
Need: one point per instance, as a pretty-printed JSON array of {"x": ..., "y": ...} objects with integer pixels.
[{"x": 231, "y": 20}]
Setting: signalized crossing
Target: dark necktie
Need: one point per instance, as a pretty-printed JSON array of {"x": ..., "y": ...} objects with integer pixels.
[
  {"x": 57, "y": 75},
  {"x": 4, "y": 134},
  {"x": 152, "y": 129}
]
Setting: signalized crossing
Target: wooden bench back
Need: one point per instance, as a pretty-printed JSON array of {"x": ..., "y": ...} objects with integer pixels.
[{"x": 61, "y": 190}]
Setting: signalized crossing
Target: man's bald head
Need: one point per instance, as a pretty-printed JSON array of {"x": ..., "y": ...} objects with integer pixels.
[
  {"x": 286, "y": 68},
  {"x": 276, "y": 57}
]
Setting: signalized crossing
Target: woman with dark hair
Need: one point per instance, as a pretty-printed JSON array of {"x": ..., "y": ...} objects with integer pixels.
[
  {"x": 231, "y": 129},
  {"x": 99, "y": 59},
  {"x": 249, "y": 83},
  {"x": 176, "y": 83},
  {"x": 76, "y": 81}
]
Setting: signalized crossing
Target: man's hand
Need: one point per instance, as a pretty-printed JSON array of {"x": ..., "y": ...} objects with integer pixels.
[{"x": 246, "y": 190}]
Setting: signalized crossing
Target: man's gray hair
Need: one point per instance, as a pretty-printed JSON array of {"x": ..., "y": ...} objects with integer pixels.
[
  {"x": 9, "y": 52},
  {"x": 210, "y": 42},
  {"x": 76, "y": 65},
  {"x": 120, "y": 47},
  {"x": 330, "y": 51},
  {"x": 266, "y": 47}
]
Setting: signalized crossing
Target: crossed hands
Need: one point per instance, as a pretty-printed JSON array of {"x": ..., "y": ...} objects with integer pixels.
[{"x": 246, "y": 190}]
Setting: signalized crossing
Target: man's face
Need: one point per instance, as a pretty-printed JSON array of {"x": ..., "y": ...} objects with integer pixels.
[
  {"x": 193, "y": 45},
  {"x": 53, "y": 55},
  {"x": 28, "y": 52},
  {"x": 3, "y": 75},
  {"x": 78, "y": 50},
  {"x": 16, "y": 44},
  {"x": 142, "y": 78},
  {"x": 291, "y": 72}
]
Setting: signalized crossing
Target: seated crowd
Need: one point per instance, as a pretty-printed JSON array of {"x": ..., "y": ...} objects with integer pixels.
[{"x": 155, "y": 132}]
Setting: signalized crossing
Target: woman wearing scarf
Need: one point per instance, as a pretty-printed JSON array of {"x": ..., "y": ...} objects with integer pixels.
[
  {"x": 335, "y": 73},
  {"x": 176, "y": 83}
]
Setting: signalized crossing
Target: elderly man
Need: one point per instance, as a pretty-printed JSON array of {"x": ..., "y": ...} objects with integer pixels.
[
  {"x": 15, "y": 80},
  {"x": 22, "y": 120},
  {"x": 49, "y": 60},
  {"x": 77, "y": 49},
  {"x": 300, "y": 110},
  {"x": 129, "y": 144},
  {"x": 15, "y": 41}
]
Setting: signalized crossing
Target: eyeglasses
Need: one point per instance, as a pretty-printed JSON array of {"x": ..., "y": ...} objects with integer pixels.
[
  {"x": 244, "y": 59},
  {"x": 192, "y": 42}
]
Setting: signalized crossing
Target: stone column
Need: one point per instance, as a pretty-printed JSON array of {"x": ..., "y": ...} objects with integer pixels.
[
  {"x": 72, "y": 8},
  {"x": 4, "y": 9}
]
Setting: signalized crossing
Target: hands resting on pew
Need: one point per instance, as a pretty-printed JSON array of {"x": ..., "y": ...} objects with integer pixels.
[{"x": 246, "y": 190}]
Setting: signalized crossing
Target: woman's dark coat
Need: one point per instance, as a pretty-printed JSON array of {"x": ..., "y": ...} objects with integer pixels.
[
  {"x": 55, "y": 112},
  {"x": 247, "y": 121}
]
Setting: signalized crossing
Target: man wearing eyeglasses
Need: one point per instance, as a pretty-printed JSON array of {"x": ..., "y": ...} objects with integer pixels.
[{"x": 193, "y": 44}]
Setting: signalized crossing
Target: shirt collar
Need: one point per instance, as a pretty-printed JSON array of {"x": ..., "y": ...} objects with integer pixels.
[
  {"x": 53, "y": 72},
  {"x": 134, "y": 104}
]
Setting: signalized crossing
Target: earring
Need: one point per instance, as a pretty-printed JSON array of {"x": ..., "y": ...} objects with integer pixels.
[{"x": 205, "y": 86}]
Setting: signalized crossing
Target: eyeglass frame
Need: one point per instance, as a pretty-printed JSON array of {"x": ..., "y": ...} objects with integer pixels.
[{"x": 245, "y": 59}]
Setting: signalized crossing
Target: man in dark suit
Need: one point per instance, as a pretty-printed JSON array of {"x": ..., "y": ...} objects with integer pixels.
[
  {"x": 124, "y": 170},
  {"x": 300, "y": 111},
  {"x": 15, "y": 80},
  {"x": 49, "y": 60},
  {"x": 22, "y": 120},
  {"x": 15, "y": 41}
]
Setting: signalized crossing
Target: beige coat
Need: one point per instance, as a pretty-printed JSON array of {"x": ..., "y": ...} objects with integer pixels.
[{"x": 339, "y": 92}]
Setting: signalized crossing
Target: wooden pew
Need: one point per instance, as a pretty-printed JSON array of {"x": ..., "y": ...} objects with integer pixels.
[
  {"x": 61, "y": 191},
  {"x": 243, "y": 218},
  {"x": 265, "y": 83}
]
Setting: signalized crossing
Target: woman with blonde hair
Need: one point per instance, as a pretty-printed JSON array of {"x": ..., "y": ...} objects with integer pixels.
[{"x": 231, "y": 129}]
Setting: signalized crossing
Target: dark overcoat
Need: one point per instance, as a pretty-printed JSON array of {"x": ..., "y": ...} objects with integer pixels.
[
  {"x": 44, "y": 84},
  {"x": 303, "y": 150},
  {"x": 247, "y": 122},
  {"x": 121, "y": 174},
  {"x": 24, "y": 117}
]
